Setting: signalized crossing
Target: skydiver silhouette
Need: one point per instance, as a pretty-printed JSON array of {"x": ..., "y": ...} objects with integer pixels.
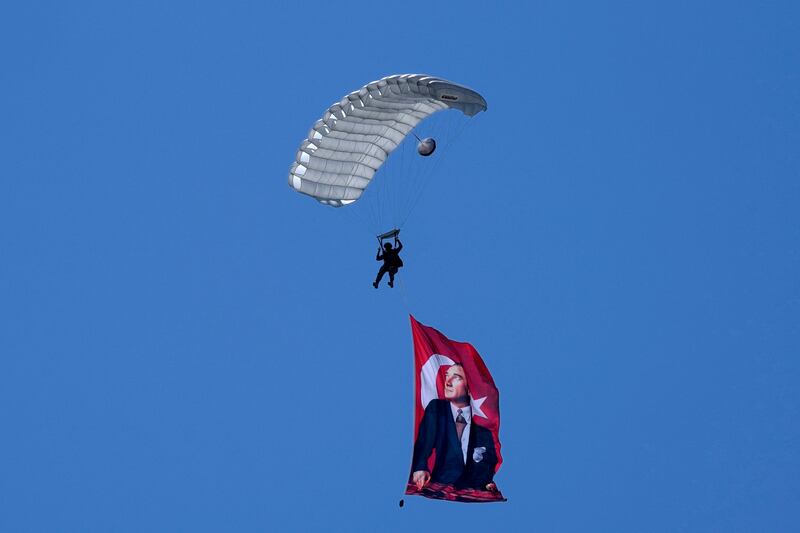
[{"x": 391, "y": 262}]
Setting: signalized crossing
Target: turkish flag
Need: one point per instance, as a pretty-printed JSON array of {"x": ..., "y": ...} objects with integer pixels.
[{"x": 456, "y": 421}]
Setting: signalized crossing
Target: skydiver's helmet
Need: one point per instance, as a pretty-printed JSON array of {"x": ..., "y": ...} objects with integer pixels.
[
  {"x": 426, "y": 146},
  {"x": 387, "y": 246}
]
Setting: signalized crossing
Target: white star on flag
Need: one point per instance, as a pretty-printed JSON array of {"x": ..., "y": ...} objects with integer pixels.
[{"x": 476, "y": 406}]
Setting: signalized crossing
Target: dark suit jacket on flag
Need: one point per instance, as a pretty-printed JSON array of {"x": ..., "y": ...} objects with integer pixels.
[{"x": 437, "y": 448}]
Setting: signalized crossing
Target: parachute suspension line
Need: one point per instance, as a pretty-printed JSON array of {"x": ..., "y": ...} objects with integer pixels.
[
  {"x": 445, "y": 149},
  {"x": 355, "y": 219},
  {"x": 388, "y": 191},
  {"x": 389, "y": 188},
  {"x": 404, "y": 172},
  {"x": 442, "y": 126},
  {"x": 420, "y": 173},
  {"x": 413, "y": 174},
  {"x": 374, "y": 207},
  {"x": 385, "y": 186},
  {"x": 409, "y": 176},
  {"x": 381, "y": 192}
]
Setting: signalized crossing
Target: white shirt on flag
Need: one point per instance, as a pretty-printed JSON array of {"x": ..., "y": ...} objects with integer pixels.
[{"x": 466, "y": 412}]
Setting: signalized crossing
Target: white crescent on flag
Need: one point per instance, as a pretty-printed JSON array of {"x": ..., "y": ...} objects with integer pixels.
[{"x": 427, "y": 377}]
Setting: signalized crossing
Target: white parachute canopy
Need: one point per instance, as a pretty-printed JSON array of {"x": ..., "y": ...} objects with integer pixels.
[{"x": 355, "y": 136}]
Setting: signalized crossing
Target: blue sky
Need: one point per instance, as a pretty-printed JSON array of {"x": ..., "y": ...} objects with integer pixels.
[{"x": 188, "y": 345}]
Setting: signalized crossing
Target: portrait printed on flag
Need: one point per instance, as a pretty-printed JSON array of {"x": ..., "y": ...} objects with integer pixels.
[{"x": 456, "y": 449}]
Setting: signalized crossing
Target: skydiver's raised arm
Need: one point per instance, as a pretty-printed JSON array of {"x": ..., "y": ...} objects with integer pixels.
[
  {"x": 399, "y": 244},
  {"x": 379, "y": 256}
]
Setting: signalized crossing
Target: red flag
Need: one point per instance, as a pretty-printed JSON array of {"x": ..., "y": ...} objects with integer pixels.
[{"x": 456, "y": 421}]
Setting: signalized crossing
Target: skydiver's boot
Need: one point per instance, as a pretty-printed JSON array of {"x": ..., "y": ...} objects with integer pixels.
[{"x": 375, "y": 284}]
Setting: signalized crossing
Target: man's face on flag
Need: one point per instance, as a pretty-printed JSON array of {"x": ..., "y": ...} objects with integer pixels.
[{"x": 455, "y": 384}]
